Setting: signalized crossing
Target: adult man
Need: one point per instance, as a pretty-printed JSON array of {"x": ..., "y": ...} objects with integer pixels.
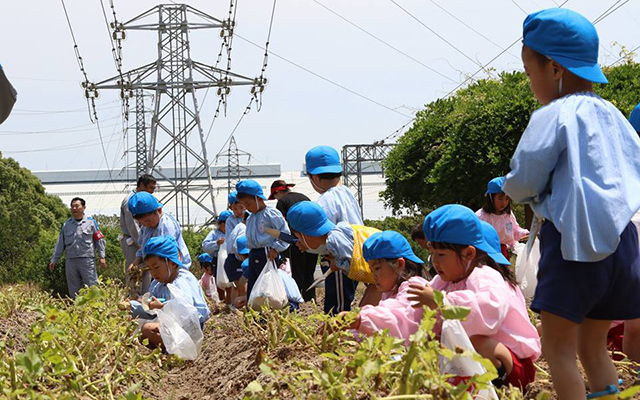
[
  {"x": 79, "y": 238},
  {"x": 303, "y": 264},
  {"x": 138, "y": 282}
]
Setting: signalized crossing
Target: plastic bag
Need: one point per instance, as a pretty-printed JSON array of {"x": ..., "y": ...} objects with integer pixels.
[
  {"x": 527, "y": 268},
  {"x": 454, "y": 337},
  {"x": 180, "y": 326},
  {"x": 359, "y": 269},
  {"x": 222, "y": 280},
  {"x": 268, "y": 289}
]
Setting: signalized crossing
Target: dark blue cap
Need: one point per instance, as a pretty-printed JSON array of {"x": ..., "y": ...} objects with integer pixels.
[
  {"x": 250, "y": 187},
  {"x": 495, "y": 185},
  {"x": 205, "y": 258},
  {"x": 388, "y": 245},
  {"x": 163, "y": 246},
  {"x": 566, "y": 37},
  {"x": 241, "y": 245},
  {"x": 308, "y": 217},
  {"x": 491, "y": 236},
  {"x": 634, "y": 118},
  {"x": 142, "y": 203},
  {"x": 323, "y": 160},
  {"x": 456, "y": 224},
  {"x": 224, "y": 215}
]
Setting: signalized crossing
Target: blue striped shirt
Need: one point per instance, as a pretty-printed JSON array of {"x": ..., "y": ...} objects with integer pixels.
[{"x": 578, "y": 166}]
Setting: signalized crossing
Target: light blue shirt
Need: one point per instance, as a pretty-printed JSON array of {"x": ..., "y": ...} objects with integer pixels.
[
  {"x": 239, "y": 230},
  {"x": 340, "y": 206},
  {"x": 209, "y": 244},
  {"x": 267, "y": 218},
  {"x": 168, "y": 226},
  {"x": 340, "y": 244},
  {"x": 186, "y": 284},
  {"x": 578, "y": 166},
  {"x": 230, "y": 224}
]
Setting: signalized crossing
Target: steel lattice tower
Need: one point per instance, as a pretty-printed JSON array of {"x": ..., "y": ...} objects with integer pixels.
[
  {"x": 233, "y": 171},
  {"x": 177, "y": 151},
  {"x": 141, "y": 135}
]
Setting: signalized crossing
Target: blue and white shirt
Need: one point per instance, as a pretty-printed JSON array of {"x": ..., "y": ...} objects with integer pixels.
[
  {"x": 578, "y": 166},
  {"x": 209, "y": 244},
  {"x": 168, "y": 226},
  {"x": 340, "y": 206},
  {"x": 340, "y": 244},
  {"x": 257, "y": 238}
]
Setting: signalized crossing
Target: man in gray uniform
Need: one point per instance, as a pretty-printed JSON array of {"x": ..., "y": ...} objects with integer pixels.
[
  {"x": 138, "y": 282},
  {"x": 79, "y": 238}
]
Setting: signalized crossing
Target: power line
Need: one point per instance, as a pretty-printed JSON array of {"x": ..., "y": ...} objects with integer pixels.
[
  {"x": 521, "y": 9},
  {"x": 382, "y": 41},
  {"x": 38, "y": 112},
  {"x": 435, "y": 33},
  {"x": 323, "y": 78},
  {"x": 622, "y": 58}
]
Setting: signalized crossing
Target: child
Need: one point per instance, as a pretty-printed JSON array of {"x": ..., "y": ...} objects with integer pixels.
[
  {"x": 238, "y": 252},
  {"x": 211, "y": 244},
  {"x": 417, "y": 235},
  {"x": 324, "y": 171},
  {"x": 163, "y": 260},
  {"x": 238, "y": 210},
  {"x": 468, "y": 275},
  {"x": 497, "y": 212},
  {"x": 491, "y": 237},
  {"x": 341, "y": 242},
  {"x": 262, "y": 246},
  {"x": 394, "y": 267},
  {"x": 577, "y": 166},
  {"x": 147, "y": 210},
  {"x": 208, "y": 280}
]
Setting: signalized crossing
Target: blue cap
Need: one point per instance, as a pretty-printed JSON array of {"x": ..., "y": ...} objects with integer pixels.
[
  {"x": 250, "y": 187},
  {"x": 232, "y": 198},
  {"x": 241, "y": 245},
  {"x": 566, "y": 37},
  {"x": 495, "y": 185},
  {"x": 491, "y": 236},
  {"x": 309, "y": 218},
  {"x": 163, "y": 246},
  {"x": 142, "y": 203},
  {"x": 323, "y": 160},
  {"x": 388, "y": 244},
  {"x": 634, "y": 118},
  {"x": 205, "y": 258},
  {"x": 456, "y": 224},
  {"x": 224, "y": 215}
]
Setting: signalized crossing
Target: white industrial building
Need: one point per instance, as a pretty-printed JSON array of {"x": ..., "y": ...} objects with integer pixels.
[{"x": 104, "y": 192}]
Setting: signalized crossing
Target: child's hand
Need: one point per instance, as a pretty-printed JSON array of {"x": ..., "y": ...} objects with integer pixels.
[
  {"x": 132, "y": 268},
  {"x": 524, "y": 238},
  {"x": 423, "y": 295},
  {"x": 332, "y": 264},
  {"x": 301, "y": 246},
  {"x": 272, "y": 254},
  {"x": 240, "y": 302},
  {"x": 355, "y": 324},
  {"x": 124, "y": 305},
  {"x": 220, "y": 241},
  {"x": 155, "y": 304}
]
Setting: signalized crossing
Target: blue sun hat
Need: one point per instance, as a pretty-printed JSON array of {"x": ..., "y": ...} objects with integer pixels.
[
  {"x": 241, "y": 245},
  {"x": 164, "y": 247},
  {"x": 388, "y": 245},
  {"x": 205, "y": 258},
  {"x": 634, "y": 118},
  {"x": 224, "y": 215},
  {"x": 308, "y": 217},
  {"x": 323, "y": 160},
  {"x": 566, "y": 37},
  {"x": 491, "y": 236},
  {"x": 250, "y": 187},
  {"x": 232, "y": 198},
  {"x": 457, "y": 224},
  {"x": 495, "y": 185},
  {"x": 142, "y": 203}
]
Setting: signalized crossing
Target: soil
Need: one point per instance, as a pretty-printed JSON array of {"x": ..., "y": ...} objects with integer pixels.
[{"x": 15, "y": 329}]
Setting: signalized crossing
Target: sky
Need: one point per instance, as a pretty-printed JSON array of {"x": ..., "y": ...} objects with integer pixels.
[{"x": 347, "y": 88}]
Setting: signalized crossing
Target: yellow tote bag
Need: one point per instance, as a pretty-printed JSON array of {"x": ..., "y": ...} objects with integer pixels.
[{"x": 359, "y": 269}]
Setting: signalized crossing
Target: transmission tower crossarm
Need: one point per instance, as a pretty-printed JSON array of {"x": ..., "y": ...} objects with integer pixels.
[{"x": 209, "y": 70}]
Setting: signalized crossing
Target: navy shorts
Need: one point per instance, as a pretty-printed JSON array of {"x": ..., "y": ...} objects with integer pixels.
[
  {"x": 605, "y": 290},
  {"x": 233, "y": 268}
]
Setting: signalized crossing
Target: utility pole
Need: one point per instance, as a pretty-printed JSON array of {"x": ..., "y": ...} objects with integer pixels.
[
  {"x": 176, "y": 151},
  {"x": 359, "y": 158}
]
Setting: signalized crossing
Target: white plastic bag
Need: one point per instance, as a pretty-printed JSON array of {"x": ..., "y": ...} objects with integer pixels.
[
  {"x": 180, "y": 326},
  {"x": 222, "y": 280},
  {"x": 527, "y": 268},
  {"x": 268, "y": 289},
  {"x": 455, "y": 337}
]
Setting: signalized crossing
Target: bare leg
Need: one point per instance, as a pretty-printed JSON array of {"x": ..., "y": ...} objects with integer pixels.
[
  {"x": 592, "y": 348},
  {"x": 151, "y": 331},
  {"x": 494, "y": 351},
  {"x": 560, "y": 347},
  {"x": 631, "y": 339}
]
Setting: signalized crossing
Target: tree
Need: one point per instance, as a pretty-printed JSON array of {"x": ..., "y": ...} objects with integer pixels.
[{"x": 456, "y": 145}]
